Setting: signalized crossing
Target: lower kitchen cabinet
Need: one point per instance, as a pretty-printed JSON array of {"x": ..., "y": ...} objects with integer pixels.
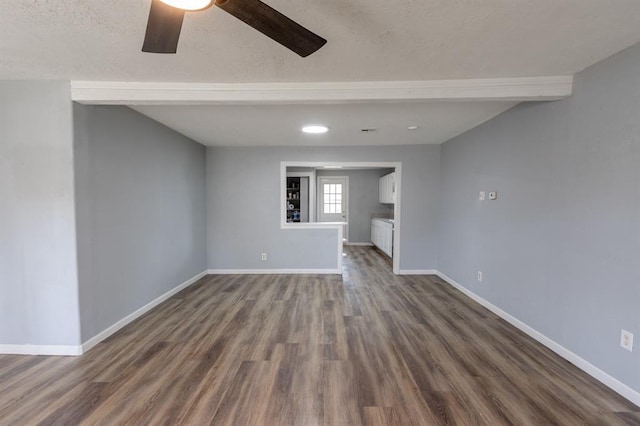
[{"x": 382, "y": 235}]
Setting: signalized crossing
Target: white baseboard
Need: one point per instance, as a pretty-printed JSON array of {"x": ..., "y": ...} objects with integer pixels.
[
  {"x": 361, "y": 244},
  {"x": 272, "y": 271},
  {"x": 418, "y": 272},
  {"x": 609, "y": 381},
  {"x": 138, "y": 313},
  {"x": 80, "y": 349},
  {"x": 41, "y": 350}
]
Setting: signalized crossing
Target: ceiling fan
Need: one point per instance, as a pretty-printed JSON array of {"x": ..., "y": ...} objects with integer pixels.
[{"x": 166, "y": 16}]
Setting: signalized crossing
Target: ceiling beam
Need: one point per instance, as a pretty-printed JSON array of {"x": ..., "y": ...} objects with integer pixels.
[{"x": 490, "y": 89}]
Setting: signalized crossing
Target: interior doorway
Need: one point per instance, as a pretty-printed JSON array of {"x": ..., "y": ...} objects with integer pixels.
[
  {"x": 360, "y": 234},
  {"x": 333, "y": 201}
]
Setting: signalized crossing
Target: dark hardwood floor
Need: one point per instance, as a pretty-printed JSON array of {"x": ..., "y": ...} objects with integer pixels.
[{"x": 365, "y": 348}]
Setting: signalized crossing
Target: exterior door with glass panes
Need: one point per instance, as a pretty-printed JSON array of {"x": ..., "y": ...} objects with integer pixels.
[{"x": 333, "y": 201}]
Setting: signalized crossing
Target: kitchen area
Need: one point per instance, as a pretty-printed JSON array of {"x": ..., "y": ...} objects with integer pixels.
[
  {"x": 362, "y": 197},
  {"x": 382, "y": 226}
]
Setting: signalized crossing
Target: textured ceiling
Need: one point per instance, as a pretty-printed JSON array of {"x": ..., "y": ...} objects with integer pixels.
[
  {"x": 367, "y": 40},
  {"x": 279, "y": 125}
]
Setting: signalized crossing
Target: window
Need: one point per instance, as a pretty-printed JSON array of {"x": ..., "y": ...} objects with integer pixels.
[{"x": 332, "y": 197}]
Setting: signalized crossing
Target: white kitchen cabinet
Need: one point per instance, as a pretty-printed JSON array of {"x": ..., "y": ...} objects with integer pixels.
[
  {"x": 382, "y": 235},
  {"x": 374, "y": 233},
  {"x": 387, "y": 189}
]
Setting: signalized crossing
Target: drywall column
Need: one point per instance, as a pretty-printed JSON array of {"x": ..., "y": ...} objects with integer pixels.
[{"x": 38, "y": 278}]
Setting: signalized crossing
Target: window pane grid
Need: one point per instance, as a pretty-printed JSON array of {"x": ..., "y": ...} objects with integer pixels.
[{"x": 332, "y": 198}]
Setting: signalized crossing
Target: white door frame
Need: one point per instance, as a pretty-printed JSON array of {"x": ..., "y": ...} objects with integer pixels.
[
  {"x": 397, "y": 207},
  {"x": 346, "y": 201}
]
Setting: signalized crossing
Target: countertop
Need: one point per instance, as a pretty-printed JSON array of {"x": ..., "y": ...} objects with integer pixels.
[{"x": 390, "y": 221}]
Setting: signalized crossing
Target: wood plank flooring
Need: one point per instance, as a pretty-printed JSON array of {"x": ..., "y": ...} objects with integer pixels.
[{"x": 364, "y": 348}]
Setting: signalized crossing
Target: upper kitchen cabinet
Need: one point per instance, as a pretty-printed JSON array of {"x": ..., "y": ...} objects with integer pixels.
[{"x": 387, "y": 189}]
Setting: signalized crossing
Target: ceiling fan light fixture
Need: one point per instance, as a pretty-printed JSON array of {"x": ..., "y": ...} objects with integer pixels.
[
  {"x": 190, "y": 5},
  {"x": 315, "y": 129},
  {"x": 166, "y": 17}
]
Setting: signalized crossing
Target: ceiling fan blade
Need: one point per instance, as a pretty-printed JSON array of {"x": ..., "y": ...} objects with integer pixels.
[
  {"x": 274, "y": 24},
  {"x": 163, "y": 28}
]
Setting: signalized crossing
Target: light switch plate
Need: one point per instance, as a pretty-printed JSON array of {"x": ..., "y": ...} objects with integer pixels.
[{"x": 482, "y": 195}]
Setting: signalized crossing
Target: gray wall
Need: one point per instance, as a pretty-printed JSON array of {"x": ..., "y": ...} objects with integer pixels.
[
  {"x": 363, "y": 200},
  {"x": 38, "y": 282},
  {"x": 140, "y": 199},
  {"x": 559, "y": 248},
  {"x": 243, "y": 207}
]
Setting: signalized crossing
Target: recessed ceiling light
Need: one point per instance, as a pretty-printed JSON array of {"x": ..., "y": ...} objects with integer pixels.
[
  {"x": 188, "y": 4},
  {"x": 412, "y": 128},
  {"x": 315, "y": 129}
]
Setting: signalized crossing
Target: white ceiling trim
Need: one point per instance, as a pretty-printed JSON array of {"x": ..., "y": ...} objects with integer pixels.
[{"x": 492, "y": 89}]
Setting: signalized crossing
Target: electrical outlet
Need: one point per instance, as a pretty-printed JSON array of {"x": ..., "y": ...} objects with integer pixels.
[
  {"x": 480, "y": 276},
  {"x": 493, "y": 195},
  {"x": 482, "y": 195},
  {"x": 626, "y": 340},
  {"x": 263, "y": 256}
]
